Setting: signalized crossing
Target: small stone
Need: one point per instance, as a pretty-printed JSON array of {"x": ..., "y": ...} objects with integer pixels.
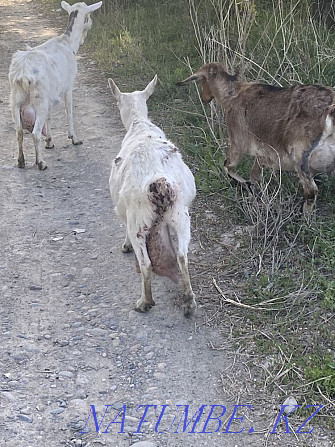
[
  {"x": 57, "y": 411},
  {"x": 116, "y": 342},
  {"x": 81, "y": 394},
  {"x": 143, "y": 444},
  {"x": 25, "y": 418},
  {"x": 34, "y": 287},
  {"x": 18, "y": 357},
  {"x": 79, "y": 425},
  {"x": 142, "y": 336},
  {"x": 67, "y": 374},
  {"x": 97, "y": 331},
  {"x": 131, "y": 419},
  {"x": 113, "y": 335},
  {"x": 62, "y": 403},
  {"x": 291, "y": 402},
  {"x": 87, "y": 272},
  {"x": 117, "y": 406},
  {"x": 79, "y": 230},
  {"x": 63, "y": 342}
]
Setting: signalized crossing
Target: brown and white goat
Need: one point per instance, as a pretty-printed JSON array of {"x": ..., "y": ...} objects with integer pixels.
[
  {"x": 152, "y": 190},
  {"x": 289, "y": 128}
]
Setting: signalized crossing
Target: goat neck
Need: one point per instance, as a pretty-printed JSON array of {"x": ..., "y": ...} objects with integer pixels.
[
  {"x": 225, "y": 90},
  {"x": 133, "y": 110},
  {"x": 77, "y": 30}
]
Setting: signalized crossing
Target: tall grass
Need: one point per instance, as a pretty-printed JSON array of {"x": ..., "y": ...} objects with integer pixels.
[{"x": 287, "y": 260}]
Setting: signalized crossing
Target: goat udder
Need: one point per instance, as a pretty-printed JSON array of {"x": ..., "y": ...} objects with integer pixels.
[
  {"x": 161, "y": 252},
  {"x": 28, "y": 117}
]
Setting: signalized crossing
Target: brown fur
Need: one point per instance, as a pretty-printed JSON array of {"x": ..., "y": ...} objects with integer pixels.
[
  {"x": 72, "y": 18},
  {"x": 160, "y": 248},
  {"x": 281, "y": 126}
]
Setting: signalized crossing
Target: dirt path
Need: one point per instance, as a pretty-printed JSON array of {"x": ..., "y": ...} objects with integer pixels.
[{"x": 69, "y": 336}]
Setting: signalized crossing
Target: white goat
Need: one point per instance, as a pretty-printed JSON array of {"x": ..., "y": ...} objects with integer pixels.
[
  {"x": 41, "y": 76},
  {"x": 152, "y": 189}
]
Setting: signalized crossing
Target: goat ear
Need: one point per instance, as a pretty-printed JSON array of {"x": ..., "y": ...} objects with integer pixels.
[
  {"x": 115, "y": 90},
  {"x": 93, "y": 7},
  {"x": 66, "y": 6},
  {"x": 191, "y": 78},
  {"x": 151, "y": 87}
]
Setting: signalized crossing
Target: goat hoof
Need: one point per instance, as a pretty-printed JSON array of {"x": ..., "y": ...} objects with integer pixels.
[
  {"x": 21, "y": 163},
  {"x": 49, "y": 147},
  {"x": 249, "y": 187},
  {"x": 75, "y": 142},
  {"x": 42, "y": 165},
  {"x": 308, "y": 208},
  {"x": 190, "y": 307},
  {"x": 144, "y": 307},
  {"x": 126, "y": 248}
]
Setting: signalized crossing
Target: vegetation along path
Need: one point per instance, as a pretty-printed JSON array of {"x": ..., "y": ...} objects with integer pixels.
[{"x": 72, "y": 348}]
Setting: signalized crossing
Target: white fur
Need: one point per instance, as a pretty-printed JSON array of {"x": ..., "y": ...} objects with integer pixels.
[
  {"x": 40, "y": 77},
  {"x": 146, "y": 156}
]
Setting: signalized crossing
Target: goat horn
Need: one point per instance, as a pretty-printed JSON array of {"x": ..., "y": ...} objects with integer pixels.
[{"x": 191, "y": 78}]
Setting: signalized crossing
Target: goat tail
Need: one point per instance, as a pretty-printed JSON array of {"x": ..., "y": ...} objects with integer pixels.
[
  {"x": 25, "y": 83},
  {"x": 22, "y": 87},
  {"x": 329, "y": 123},
  {"x": 331, "y": 111},
  {"x": 159, "y": 244}
]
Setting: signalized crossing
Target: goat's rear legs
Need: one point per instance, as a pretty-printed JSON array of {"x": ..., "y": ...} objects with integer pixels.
[
  {"x": 41, "y": 116},
  {"x": 69, "y": 113},
  {"x": 19, "y": 136},
  {"x": 230, "y": 164},
  {"x": 137, "y": 239},
  {"x": 181, "y": 224},
  {"x": 310, "y": 191},
  {"x": 146, "y": 301},
  {"x": 126, "y": 246},
  {"x": 20, "y": 161},
  {"x": 48, "y": 141}
]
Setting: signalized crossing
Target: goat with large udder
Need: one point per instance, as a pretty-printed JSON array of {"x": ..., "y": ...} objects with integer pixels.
[
  {"x": 152, "y": 189},
  {"x": 289, "y": 128},
  {"x": 39, "y": 77}
]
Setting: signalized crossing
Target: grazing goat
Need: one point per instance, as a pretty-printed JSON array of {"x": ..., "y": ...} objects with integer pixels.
[
  {"x": 289, "y": 128},
  {"x": 152, "y": 189},
  {"x": 39, "y": 77}
]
